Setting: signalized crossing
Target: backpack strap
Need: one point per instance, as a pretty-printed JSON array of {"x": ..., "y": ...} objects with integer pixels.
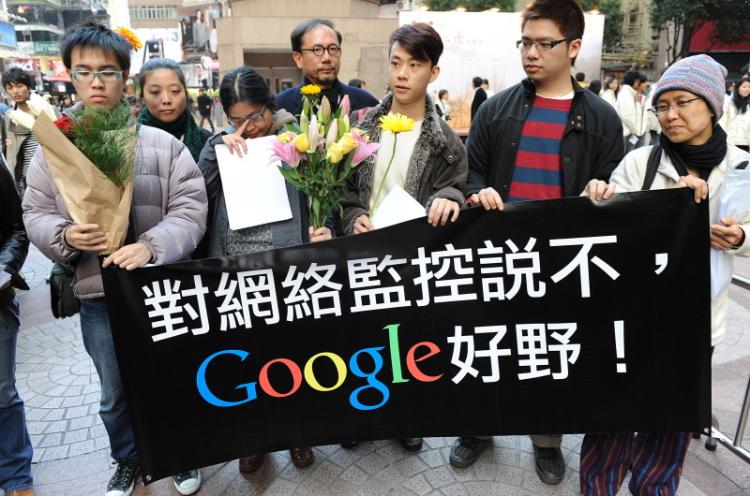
[{"x": 652, "y": 166}]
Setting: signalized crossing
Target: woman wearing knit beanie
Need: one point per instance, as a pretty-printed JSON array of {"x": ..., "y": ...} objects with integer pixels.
[{"x": 693, "y": 152}]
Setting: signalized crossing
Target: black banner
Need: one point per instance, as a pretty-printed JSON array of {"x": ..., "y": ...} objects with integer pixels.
[{"x": 550, "y": 317}]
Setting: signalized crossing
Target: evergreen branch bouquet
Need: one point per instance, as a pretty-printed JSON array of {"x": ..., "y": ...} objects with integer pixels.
[
  {"x": 106, "y": 138},
  {"x": 321, "y": 153},
  {"x": 91, "y": 158}
]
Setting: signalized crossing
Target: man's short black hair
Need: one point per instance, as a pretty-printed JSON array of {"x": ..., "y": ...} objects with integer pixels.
[
  {"x": 486, "y": 81},
  {"x": 580, "y": 77},
  {"x": 18, "y": 76},
  {"x": 477, "y": 82},
  {"x": 420, "y": 40},
  {"x": 631, "y": 77},
  {"x": 303, "y": 27},
  {"x": 567, "y": 14},
  {"x": 93, "y": 35},
  {"x": 357, "y": 83}
]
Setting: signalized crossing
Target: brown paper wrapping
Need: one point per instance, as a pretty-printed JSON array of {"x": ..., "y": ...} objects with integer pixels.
[{"x": 89, "y": 196}]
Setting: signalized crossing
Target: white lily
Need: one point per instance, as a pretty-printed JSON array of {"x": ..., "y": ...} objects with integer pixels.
[
  {"x": 39, "y": 105},
  {"x": 22, "y": 118},
  {"x": 313, "y": 133},
  {"x": 332, "y": 135}
]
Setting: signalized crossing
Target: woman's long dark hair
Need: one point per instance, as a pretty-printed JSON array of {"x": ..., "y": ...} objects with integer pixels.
[
  {"x": 739, "y": 102},
  {"x": 244, "y": 84},
  {"x": 608, "y": 81}
]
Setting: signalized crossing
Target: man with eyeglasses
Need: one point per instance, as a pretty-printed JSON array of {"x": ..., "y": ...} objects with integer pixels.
[
  {"x": 543, "y": 138},
  {"x": 316, "y": 49},
  {"x": 168, "y": 219}
]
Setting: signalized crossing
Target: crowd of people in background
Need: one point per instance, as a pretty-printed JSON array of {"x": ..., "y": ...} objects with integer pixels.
[
  {"x": 699, "y": 130},
  {"x": 632, "y": 98}
]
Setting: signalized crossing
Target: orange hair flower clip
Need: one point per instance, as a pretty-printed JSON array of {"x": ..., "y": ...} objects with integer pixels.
[{"x": 127, "y": 33}]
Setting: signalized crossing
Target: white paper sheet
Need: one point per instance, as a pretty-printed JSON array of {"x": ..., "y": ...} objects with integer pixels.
[
  {"x": 254, "y": 189},
  {"x": 397, "y": 207}
]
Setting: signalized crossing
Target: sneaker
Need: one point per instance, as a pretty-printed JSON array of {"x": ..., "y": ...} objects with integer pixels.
[
  {"x": 122, "y": 482},
  {"x": 412, "y": 444},
  {"x": 349, "y": 444},
  {"x": 466, "y": 450},
  {"x": 188, "y": 482},
  {"x": 550, "y": 466},
  {"x": 22, "y": 492}
]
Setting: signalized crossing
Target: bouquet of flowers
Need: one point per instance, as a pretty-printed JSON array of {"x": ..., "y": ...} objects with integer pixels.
[
  {"x": 91, "y": 158},
  {"x": 321, "y": 153}
]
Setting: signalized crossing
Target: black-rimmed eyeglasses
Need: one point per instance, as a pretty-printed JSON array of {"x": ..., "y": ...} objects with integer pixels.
[
  {"x": 318, "y": 50},
  {"x": 540, "y": 45}
]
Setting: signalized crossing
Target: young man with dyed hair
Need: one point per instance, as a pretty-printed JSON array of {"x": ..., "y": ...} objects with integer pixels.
[
  {"x": 168, "y": 219},
  {"x": 543, "y": 138},
  {"x": 430, "y": 160}
]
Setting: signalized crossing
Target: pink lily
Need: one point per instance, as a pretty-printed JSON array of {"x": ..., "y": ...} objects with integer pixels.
[
  {"x": 364, "y": 148},
  {"x": 287, "y": 153},
  {"x": 345, "y": 106}
]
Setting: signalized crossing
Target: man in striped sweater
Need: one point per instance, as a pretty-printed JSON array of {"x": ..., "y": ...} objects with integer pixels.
[{"x": 543, "y": 138}]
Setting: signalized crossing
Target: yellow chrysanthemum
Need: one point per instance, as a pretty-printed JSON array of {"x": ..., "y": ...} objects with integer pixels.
[
  {"x": 396, "y": 123},
  {"x": 310, "y": 90},
  {"x": 127, "y": 33}
]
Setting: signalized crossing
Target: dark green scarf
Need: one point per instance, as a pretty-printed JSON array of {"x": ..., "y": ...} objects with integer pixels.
[{"x": 184, "y": 125}]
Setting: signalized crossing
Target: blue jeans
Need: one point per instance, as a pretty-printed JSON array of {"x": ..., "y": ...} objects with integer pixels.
[
  {"x": 15, "y": 445},
  {"x": 97, "y": 339}
]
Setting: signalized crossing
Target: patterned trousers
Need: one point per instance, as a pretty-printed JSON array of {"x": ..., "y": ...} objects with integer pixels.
[{"x": 654, "y": 458}]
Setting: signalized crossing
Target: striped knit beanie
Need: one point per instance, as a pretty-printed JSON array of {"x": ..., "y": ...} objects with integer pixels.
[{"x": 699, "y": 74}]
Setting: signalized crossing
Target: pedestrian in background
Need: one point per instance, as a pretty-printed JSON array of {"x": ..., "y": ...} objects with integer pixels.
[
  {"x": 630, "y": 109},
  {"x": 480, "y": 96},
  {"x": 443, "y": 105},
  {"x": 20, "y": 142},
  {"x": 610, "y": 90},
  {"x": 205, "y": 103},
  {"x": 736, "y": 118}
]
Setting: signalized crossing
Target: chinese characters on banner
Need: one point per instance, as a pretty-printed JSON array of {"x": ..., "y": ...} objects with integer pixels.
[{"x": 555, "y": 316}]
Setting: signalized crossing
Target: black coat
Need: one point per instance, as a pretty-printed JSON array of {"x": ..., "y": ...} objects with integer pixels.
[
  {"x": 205, "y": 103},
  {"x": 591, "y": 145},
  {"x": 291, "y": 99},
  {"x": 480, "y": 96},
  {"x": 14, "y": 245}
]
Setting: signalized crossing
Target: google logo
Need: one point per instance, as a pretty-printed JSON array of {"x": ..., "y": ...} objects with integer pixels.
[{"x": 307, "y": 375}]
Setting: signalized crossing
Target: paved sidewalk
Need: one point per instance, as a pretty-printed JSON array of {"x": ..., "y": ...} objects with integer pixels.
[{"x": 59, "y": 385}]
